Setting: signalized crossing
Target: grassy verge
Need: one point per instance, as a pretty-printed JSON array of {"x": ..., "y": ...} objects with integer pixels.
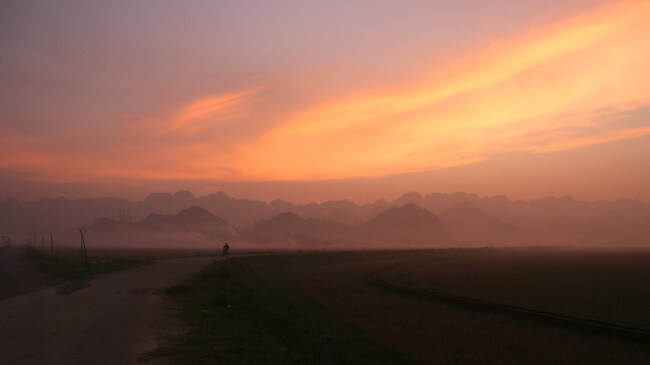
[
  {"x": 250, "y": 311},
  {"x": 72, "y": 269}
]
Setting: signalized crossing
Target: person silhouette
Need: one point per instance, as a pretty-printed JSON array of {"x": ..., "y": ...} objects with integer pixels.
[{"x": 224, "y": 253}]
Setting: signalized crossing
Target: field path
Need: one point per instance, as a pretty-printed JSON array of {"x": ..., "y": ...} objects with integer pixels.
[{"x": 119, "y": 318}]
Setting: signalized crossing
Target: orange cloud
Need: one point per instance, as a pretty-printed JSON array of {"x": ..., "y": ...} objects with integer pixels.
[
  {"x": 608, "y": 136},
  {"x": 556, "y": 88},
  {"x": 199, "y": 114},
  {"x": 593, "y": 61},
  {"x": 194, "y": 115}
]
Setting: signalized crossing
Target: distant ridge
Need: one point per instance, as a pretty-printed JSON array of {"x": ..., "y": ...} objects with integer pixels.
[
  {"x": 553, "y": 220},
  {"x": 408, "y": 222},
  {"x": 408, "y": 216},
  {"x": 466, "y": 221},
  {"x": 190, "y": 221},
  {"x": 288, "y": 227}
]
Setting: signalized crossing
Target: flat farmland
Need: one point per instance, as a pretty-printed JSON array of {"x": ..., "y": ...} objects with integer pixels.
[
  {"x": 416, "y": 330},
  {"x": 439, "y": 332},
  {"x": 604, "y": 285}
]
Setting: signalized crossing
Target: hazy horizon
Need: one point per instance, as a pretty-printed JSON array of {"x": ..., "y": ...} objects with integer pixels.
[{"x": 254, "y": 197}]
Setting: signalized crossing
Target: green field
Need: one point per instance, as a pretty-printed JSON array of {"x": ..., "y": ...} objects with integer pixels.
[{"x": 274, "y": 309}]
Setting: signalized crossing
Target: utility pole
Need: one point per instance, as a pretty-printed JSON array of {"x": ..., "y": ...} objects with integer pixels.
[
  {"x": 42, "y": 244},
  {"x": 84, "y": 255},
  {"x": 51, "y": 243}
]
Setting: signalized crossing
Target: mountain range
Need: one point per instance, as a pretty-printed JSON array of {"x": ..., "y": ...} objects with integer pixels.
[
  {"x": 458, "y": 218},
  {"x": 191, "y": 226}
]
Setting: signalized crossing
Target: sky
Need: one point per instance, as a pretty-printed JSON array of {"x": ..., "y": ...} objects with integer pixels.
[{"x": 311, "y": 101}]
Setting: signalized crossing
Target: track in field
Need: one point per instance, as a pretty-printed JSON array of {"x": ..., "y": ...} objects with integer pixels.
[{"x": 573, "y": 321}]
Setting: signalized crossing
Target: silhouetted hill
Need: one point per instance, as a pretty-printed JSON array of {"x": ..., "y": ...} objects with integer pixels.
[
  {"x": 290, "y": 229},
  {"x": 106, "y": 224},
  {"x": 547, "y": 220},
  {"x": 196, "y": 215},
  {"x": 408, "y": 198},
  {"x": 281, "y": 225},
  {"x": 468, "y": 222},
  {"x": 155, "y": 220},
  {"x": 436, "y": 202},
  {"x": 190, "y": 219},
  {"x": 193, "y": 224},
  {"x": 286, "y": 219},
  {"x": 407, "y": 224},
  {"x": 409, "y": 216},
  {"x": 240, "y": 212},
  {"x": 553, "y": 220},
  {"x": 165, "y": 203}
]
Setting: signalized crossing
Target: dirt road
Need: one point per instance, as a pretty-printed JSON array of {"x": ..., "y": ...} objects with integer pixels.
[{"x": 118, "y": 319}]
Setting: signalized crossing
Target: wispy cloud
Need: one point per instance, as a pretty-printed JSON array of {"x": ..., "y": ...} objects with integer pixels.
[
  {"x": 556, "y": 88},
  {"x": 593, "y": 61},
  {"x": 207, "y": 110},
  {"x": 198, "y": 114},
  {"x": 579, "y": 141}
]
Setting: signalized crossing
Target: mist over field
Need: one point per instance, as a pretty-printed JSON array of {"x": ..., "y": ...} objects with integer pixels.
[{"x": 413, "y": 220}]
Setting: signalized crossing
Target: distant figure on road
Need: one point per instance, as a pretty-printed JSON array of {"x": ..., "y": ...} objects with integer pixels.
[{"x": 225, "y": 250}]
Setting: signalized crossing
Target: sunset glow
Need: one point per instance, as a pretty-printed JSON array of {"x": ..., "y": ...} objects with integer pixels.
[
  {"x": 548, "y": 81},
  {"x": 578, "y": 78}
]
